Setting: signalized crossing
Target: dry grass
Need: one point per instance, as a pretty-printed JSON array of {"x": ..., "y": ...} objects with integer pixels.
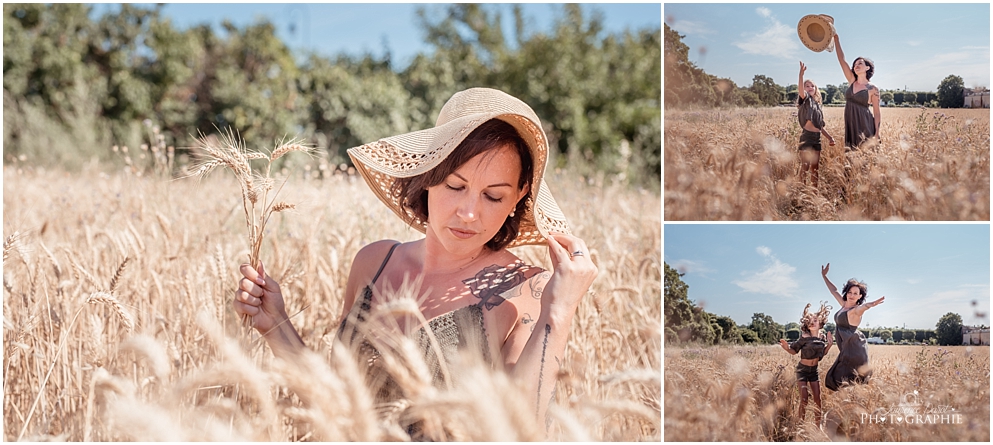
[
  {"x": 742, "y": 164},
  {"x": 749, "y": 393},
  {"x": 101, "y": 348}
]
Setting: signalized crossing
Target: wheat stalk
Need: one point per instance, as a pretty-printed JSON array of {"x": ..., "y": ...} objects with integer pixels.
[{"x": 232, "y": 153}]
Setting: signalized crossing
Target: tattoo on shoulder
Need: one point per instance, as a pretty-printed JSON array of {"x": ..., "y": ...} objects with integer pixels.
[
  {"x": 538, "y": 286},
  {"x": 491, "y": 285}
]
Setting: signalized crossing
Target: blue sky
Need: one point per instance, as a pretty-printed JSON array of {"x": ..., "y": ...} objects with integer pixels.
[
  {"x": 923, "y": 270},
  {"x": 359, "y": 28},
  {"x": 914, "y": 45}
]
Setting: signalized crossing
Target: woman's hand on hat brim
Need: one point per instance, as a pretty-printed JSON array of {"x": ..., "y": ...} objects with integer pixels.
[{"x": 572, "y": 275}]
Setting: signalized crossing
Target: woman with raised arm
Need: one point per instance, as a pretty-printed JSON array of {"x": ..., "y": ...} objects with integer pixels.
[
  {"x": 852, "y": 363},
  {"x": 474, "y": 185},
  {"x": 860, "y": 123}
]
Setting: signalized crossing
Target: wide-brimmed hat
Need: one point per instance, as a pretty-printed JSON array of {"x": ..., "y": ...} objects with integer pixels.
[
  {"x": 415, "y": 153},
  {"x": 816, "y": 32}
]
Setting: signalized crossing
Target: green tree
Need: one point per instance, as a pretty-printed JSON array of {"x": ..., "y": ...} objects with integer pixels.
[
  {"x": 729, "y": 329},
  {"x": 767, "y": 330},
  {"x": 950, "y": 92},
  {"x": 949, "y": 329},
  {"x": 766, "y": 89},
  {"x": 749, "y": 336},
  {"x": 829, "y": 327},
  {"x": 886, "y": 97},
  {"x": 829, "y": 94},
  {"x": 910, "y": 97},
  {"x": 886, "y": 334}
]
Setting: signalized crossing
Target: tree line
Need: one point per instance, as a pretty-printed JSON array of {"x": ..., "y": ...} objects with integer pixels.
[
  {"x": 95, "y": 81},
  {"x": 687, "y": 85},
  {"x": 686, "y": 322}
]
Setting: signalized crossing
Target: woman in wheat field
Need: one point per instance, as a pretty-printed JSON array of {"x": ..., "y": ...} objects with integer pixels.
[
  {"x": 860, "y": 123},
  {"x": 473, "y": 184},
  {"x": 852, "y": 363}
]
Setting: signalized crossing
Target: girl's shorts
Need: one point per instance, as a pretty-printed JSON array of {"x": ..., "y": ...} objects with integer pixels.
[
  {"x": 806, "y": 373},
  {"x": 810, "y": 140}
]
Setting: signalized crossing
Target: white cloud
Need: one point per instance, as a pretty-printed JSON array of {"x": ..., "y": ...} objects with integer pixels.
[
  {"x": 775, "y": 279},
  {"x": 689, "y": 266},
  {"x": 688, "y": 28},
  {"x": 777, "y": 39}
]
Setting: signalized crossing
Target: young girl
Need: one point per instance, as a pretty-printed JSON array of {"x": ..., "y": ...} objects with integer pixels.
[
  {"x": 811, "y": 119},
  {"x": 812, "y": 347}
]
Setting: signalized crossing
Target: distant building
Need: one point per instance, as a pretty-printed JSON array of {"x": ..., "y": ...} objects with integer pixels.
[
  {"x": 976, "y": 97},
  {"x": 875, "y": 341},
  {"x": 975, "y": 335}
]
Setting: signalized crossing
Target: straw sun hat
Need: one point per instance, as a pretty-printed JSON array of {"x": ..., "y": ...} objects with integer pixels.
[
  {"x": 816, "y": 32},
  {"x": 415, "y": 153}
]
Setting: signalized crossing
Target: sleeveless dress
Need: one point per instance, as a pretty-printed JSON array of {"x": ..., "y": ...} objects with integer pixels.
[
  {"x": 853, "y": 354},
  {"x": 859, "y": 122},
  {"x": 454, "y": 332}
]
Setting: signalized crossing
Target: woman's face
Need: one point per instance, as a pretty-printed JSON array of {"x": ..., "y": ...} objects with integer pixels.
[
  {"x": 809, "y": 87},
  {"x": 467, "y": 209},
  {"x": 853, "y": 295},
  {"x": 860, "y": 66}
]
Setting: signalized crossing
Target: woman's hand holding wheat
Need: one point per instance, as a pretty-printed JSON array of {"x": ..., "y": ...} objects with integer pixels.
[{"x": 259, "y": 297}]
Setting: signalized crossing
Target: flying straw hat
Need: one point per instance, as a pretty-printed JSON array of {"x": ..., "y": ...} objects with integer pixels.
[
  {"x": 415, "y": 153},
  {"x": 816, "y": 32}
]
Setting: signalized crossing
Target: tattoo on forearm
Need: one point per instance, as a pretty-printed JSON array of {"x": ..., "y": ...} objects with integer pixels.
[
  {"x": 539, "y": 285},
  {"x": 541, "y": 370},
  {"x": 526, "y": 320}
]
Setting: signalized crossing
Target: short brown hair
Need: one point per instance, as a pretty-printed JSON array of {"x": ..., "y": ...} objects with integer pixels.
[
  {"x": 863, "y": 288},
  {"x": 413, "y": 194}
]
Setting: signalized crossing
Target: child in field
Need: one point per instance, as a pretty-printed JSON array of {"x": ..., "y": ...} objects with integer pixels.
[
  {"x": 812, "y": 347},
  {"x": 811, "y": 119}
]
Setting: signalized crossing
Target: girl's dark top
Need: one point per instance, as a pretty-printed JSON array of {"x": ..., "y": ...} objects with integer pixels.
[
  {"x": 859, "y": 123},
  {"x": 853, "y": 355},
  {"x": 809, "y": 110},
  {"x": 810, "y": 347}
]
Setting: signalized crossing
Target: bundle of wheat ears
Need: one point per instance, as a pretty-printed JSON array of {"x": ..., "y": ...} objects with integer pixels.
[{"x": 230, "y": 151}]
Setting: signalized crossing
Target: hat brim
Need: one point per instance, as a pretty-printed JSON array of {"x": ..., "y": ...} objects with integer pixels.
[
  {"x": 816, "y": 32},
  {"x": 410, "y": 154}
]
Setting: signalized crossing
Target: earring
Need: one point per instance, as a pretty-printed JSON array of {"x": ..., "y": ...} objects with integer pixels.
[{"x": 512, "y": 213}]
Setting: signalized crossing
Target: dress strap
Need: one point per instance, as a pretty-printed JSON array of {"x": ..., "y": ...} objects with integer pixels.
[{"x": 385, "y": 260}]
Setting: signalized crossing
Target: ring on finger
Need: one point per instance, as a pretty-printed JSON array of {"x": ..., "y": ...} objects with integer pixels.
[{"x": 577, "y": 253}]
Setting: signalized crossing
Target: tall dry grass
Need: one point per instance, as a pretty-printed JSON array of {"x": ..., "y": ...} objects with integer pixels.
[
  {"x": 749, "y": 393},
  {"x": 118, "y": 325},
  {"x": 743, "y": 164}
]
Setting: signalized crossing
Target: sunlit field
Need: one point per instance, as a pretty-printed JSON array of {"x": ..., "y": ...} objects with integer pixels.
[
  {"x": 749, "y": 393},
  {"x": 743, "y": 164},
  {"x": 118, "y": 323}
]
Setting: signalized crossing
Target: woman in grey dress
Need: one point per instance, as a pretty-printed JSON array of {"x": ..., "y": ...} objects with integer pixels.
[
  {"x": 860, "y": 123},
  {"x": 852, "y": 363}
]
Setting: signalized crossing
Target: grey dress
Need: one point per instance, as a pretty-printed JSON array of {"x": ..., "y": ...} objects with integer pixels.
[
  {"x": 809, "y": 110},
  {"x": 853, "y": 354},
  {"x": 859, "y": 122}
]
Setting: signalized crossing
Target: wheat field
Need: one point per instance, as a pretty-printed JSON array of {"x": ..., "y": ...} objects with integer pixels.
[
  {"x": 749, "y": 393},
  {"x": 118, "y": 325},
  {"x": 743, "y": 164}
]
